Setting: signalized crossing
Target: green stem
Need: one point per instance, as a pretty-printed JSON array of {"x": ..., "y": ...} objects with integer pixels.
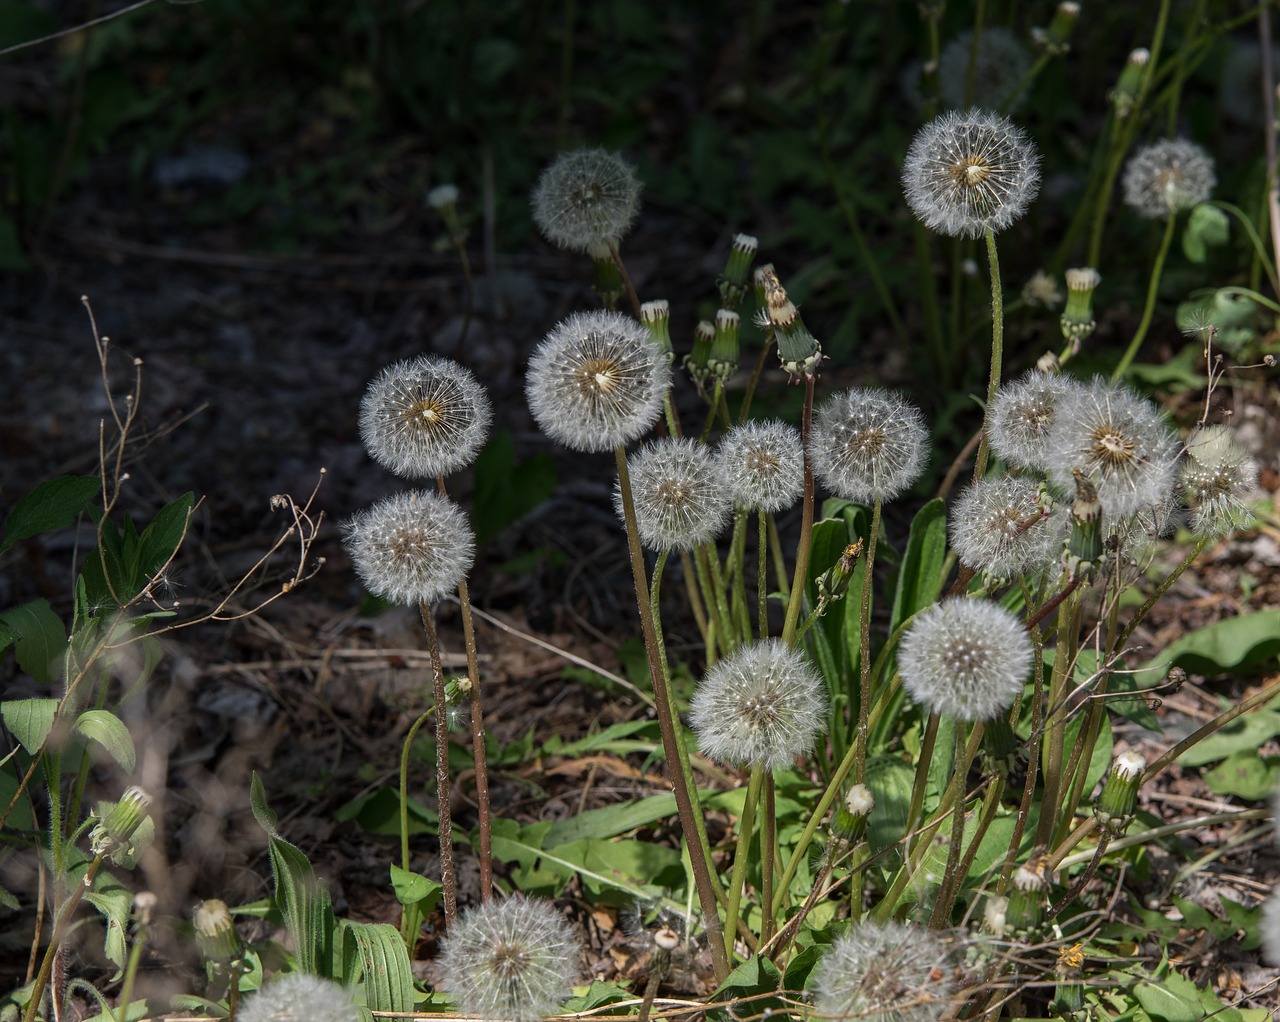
[
  {"x": 865, "y": 679},
  {"x": 407, "y": 927},
  {"x": 997, "y": 349},
  {"x": 796, "y": 594},
  {"x": 74, "y": 897},
  {"x": 745, "y": 826},
  {"x": 1149, "y": 309},
  {"x": 448, "y": 872},
  {"x": 762, "y": 574}
]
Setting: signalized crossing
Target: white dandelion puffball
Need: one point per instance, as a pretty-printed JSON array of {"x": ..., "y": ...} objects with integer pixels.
[
  {"x": 763, "y": 465},
  {"x": 965, "y": 658},
  {"x": 763, "y": 704},
  {"x": 1219, "y": 476},
  {"x": 884, "y": 972},
  {"x": 969, "y": 172},
  {"x": 299, "y": 997},
  {"x": 868, "y": 444},
  {"x": 997, "y": 526},
  {"x": 999, "y": 66},
  {"x": 510, "y": 961},
  {"x": 597, "y": 381},
  {"x": 424, "y": 417},
  {"x": 1119, "y": 441},
  {"x": 414, "y": 547},
  {"x": 1167, "y": 177},
  {"x": 680, "y": 497},
  {"x": 1022, "y": 416},
  {"x": 586, "y": 200}
]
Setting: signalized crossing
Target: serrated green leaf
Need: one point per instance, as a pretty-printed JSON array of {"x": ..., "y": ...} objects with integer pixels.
[
  {"x": 383, "y": 965},
  {"x": 115, "y": 903},
  {"x": 29, "y": 720},
  {"x": 51, "y": 505},
  {"x": 920, "y": 576},
  {"x": 41, "y": 640},
  {"x": 108, "y": 730},
  {"x": 1245, "y": 774}
]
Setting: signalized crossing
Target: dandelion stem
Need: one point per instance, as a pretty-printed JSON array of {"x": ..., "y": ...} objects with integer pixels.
[
  {"x": 1149, "y": 309},
  {"x": 865, "y": 678},
  {"x": 746, "y": 824},
  {"x": 74, "y": 897},
  {"x": 997, "y": 351},
  {"x": 762, "y": 574},
  {"x": 448, "y": 875},
  {"x": 796, "y": 596}
]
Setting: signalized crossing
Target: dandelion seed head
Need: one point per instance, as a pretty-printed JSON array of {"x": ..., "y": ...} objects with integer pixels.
[
  {"x": 586, "y": 199},
  {"x": 410, "y": 548},
  {"x": 884, "y": 972},
  {"x": 762, "y": 464},
  {"x": 1022, "y": 417},
  {"x": 680, "y": 498},
  {"x": 999, "y": 66},
  {"x": 868, "y": 444},
  {"x": 300, "y": 997},
  {"x": 998, "y": 526},
  {"x": 1219, "y": 476},
  {"x": 1167, "y": 177}
]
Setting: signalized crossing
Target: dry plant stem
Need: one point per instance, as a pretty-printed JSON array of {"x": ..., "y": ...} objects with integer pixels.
[
  {"x": 1149, "y": 309},
  {"x": 997, "y": 347},
  {"x": 691, "y": 591},
  {"x": 865, "y": 678},
  {"x": 746, "y": 824},
  {"x": 74, "y": 897},
  {"x": 1081, "y": 880},
  {"x": 953, "y": 881},
  {"x": 1033, "y": 764},
  {"x": 946, "y": 893},
  {"x": 796, "y": 596},
  {"x": 685, "y": 804},
  {"x": 448, "y": 875},
  {"x": 953, "y": 473},
  {"x": 1269, "y": 133}
]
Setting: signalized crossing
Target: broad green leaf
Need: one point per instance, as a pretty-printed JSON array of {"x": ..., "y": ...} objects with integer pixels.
[
  {"x": 1207, "y": 227},
  {"x": 414, "y": 889},
  {"x": 749, "y": 987},
  {"x": 115, "y": 903},
  {"x": 160, "y": 540},
  {"x": 506, "y": 490},
  {"x": 51, "y": 505},
  {"x": 597, "y": 995},
  {"x": 1248, "y": 731},
  {"x": 1246, "y": 775},
  {"x": 384, "y": 965},
  {"x": 41, "y": 639},
  {"x": 378, "y": 812},
  {"x": 21, "y": 817},
  {"x": 29, "y": 720},
  {"x": 612, "y": 820},
  {"x": 1170, "y": 1000},
  {"x": 108, "y": 730},
  {"x": 1233, "y": 642},
  {"x": 920, "y": 575},
  {"x": 612, "y": 739},
  {"x": 890, "y": 781}
]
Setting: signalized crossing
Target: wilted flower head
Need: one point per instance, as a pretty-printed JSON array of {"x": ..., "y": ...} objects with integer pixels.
[
  {"x": 999, "y": 67},
  {"x": 513, "y": 960},
  {"x": 998, "y": 526},
  {"x": 884, "y": 972},
  {"x": 597, "y": 381},
  {"x": 299, "y": 997},
  {"x": 679, "y": 495},
  {"x": 586, "y": 200},
  {"x": 424, "y": 417},
  {"x": 763, "y": 465},
  {"x": 1119, "y": 441},
  {"x": 969, "y": 172},
  {"x": 764, "y": 704},
  {"x": 1022, "y": 416},
  {"x": 411, "y": 548},
  {"x": 868, "y": 444},
  {"x": 1219, "y": 476},
  {"x": 1167, "y": 177},
  {"x": 965, "y": 658}
]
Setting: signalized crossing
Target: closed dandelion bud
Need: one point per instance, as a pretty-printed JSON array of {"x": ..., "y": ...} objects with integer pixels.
[
  {"x": 695, "y": 363},
  {"x": 586, "y": 200},
  {"x": 444, "y": 200},
  {"x": 216, "y": 934},
  {"x": 1048, "y": 364},
  {"x": 998, "y": 66},
  {"x": 1114, "y": 807},
  {"x": 886, "y": 972},
  {"x": 833, "y": 583},
  {"x": 119, "y": 822},
  {"x": 965, "y": 658},
  {"x": 969, "y": 172},
  {"x": 733, "y": 282},
  {"x": 656, "y": 317},
  {"x": 998, "y": 526},
  {"x": 764, "y": 704},
  {"x": 1023, "y": 415},
  {"x": 597, "y": 381},
  {"x": 1163, "y": 179},
  {"x": 1125, "y": 95},
  {"x": 868, "y": 444},
  {"x": 1084, "y": 546},
  {"x": 680, "y": 499},
  {"x": 1042, "y": 290},
  {"x": 995, "y": 915},
  {"x": 1056, "y": 39},
  {"x": 723, "y": 361},
  {"x": 299, "y": 997},
  {"x": 513, "y": 960},
  {"x": 1028, "y": 898},
  {"x": 1218, "y": 476},
  {"x": 851, "y": 816},
  {"x": 798, "y": 350},
  {"x": 1077, "y": 319},
  {"x": 762, "y": 465},
  {"x": 411, "y": 548},
  {"x": 424, "y": 417}
]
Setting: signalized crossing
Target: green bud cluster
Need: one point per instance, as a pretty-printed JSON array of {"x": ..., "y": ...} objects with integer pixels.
[{"x": 1077, "y": 320}]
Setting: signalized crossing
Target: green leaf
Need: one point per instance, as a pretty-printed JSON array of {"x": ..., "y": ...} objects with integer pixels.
[
  {"x": 29, "y": 720},
  {"x": 108, "y": 730},
  {"x": 160, "y": 540},
  {"x": 890, "y": 781},
  {"x": 749, "y": 987},
  {"x": 920, "y": 576},
  {"x": 54, "y": 504},
  {"x": 597, "y": 995},
  {"x": 1173, "y": 999},
  {"x": 115, "y": 903},
  {"x": 41, "y": 639},
  {"x": 378, "y": 812},
  {"x": 506, "y": 491},
  {"x": 1245, "y": 774},
  {"x": 1207, "y": 227},
  {"x": 1225, "y": 645},
  {"x": 383, "y": 964},
  {"x": 1248, "y": 731},
  {"x": 612, "y": 820},
  {"x": 415, "y": 889}
]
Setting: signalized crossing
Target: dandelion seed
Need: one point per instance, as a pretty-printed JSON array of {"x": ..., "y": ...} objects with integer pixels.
[
  {"x": 965, "y": 658},
  {"x": 967, "y": 173},
  {"x": 513, "y": 960},
  {"x": 586, "y": 200},
  {"x": 1022, "y": 417},
  {"x": 884, "y": 972},
  {"x": 998, "y": 526},
  {"x": 764, "y": 704},
  {"x": 868, "y": 444},
  {"x": 680, "y": 498},
  {"x": 1218, "y": 476},
  {"x": 424, "y": 417},
  {"x": 300, "y": 997},
  {"x": 411, "y": 548},
  {"x": 597, "y": 381},
  {"x": 763, "y": 465},
  {"x": 999, "y": 66},
  {"x": 1163, "y": 179}
]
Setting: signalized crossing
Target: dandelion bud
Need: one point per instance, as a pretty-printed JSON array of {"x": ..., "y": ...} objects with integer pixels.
[
  {"x": 762, "y": 465},
  {"x": 965, "y": 658},
  {"x": 1077, "y": 319},
  {"x": 998, "y": 66},
  {"x": 851, "y": 816},
  {"x": 891, "y": 972},
  {"x": 695, "y": 363},
  {"x": 118, "y": 822},
  {"x": 1028, "y": 897},
  {"x": 970, "y": 172},
  {"x": 216, "y": 933},
  {"x": 444, "y": 200},
  {"x": 1056, "y": 39},
  {"x": 298, "y": 996},
  {"x": 410, "y": 548},
  {"x": 1084, "y": 546},
  {"x": 586, "y": 200},
  {"x": 733, "y": 282},
  {"x": 998, "y": 526},
  {"x": 656, "y": 317},
  {"x": 995, "y": 911},
  {"x": 1022, "y": 416},
  {"x": 144, "y": 909},
  {"x": 763, "y": 704},
  {"x": 1125, "y": 95},
  {"x": 1218, "y": 477},
  {"x": 1114, "y": 808},
  {"x": 680, "y": 499},
  {"x": 1048, "y": 364},
  {"x": 597, "y": 381},
  {"x": 833, "y": 583},
  {"x": 1042, "y": 290},
  {"x": 868, "y": 444},
  {"x": 513, "y": 960},
  {"x": 798, "y": 350},
  {"x": 723, "y": 360},
  {"x": 425, "y": 417},
  {"x": 1163, "y": 179}
]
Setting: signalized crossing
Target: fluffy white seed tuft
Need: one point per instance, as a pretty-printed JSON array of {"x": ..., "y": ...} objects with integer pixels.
[
  {"x": 1167, "y": 177},
  {"x": 586, "y": 200},
  {"x": 868, "y": 444},
  {"x": 884, "y": 972},
  {"x": 997, "y": 526},
  {"x": 1219, "y": 477},
  {"x": 680, "y": 498},
  {"x": 1022, "y": 417},
  {"x": 410, "y": 548},
  {"x": 998, "y": 68},
  {"x": 300, "y": 997},
  {"x": 763, "y": 465}
]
